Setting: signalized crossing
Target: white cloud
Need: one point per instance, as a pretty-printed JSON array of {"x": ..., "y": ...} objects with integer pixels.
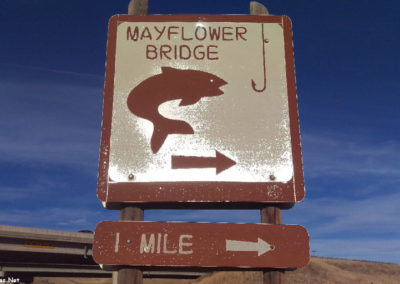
[
  {"x": 50, "y": 123},
  {"x": 338, "y": 156},
  {"x": 364, "y": 217},
  {"x": 32, "y": 187},
  {"x": 9, "y": 194},
  {"x": 22, "y": 68},
  {"x": 356, "y": 187},
  {"x": 69, "y": 219},
  {"x": 362, "y": 249}
]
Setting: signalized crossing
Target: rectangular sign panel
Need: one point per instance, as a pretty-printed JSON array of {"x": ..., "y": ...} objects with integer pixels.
[
  {"x": 200, "y": 109},
  {"x": 200, "y": 245}
]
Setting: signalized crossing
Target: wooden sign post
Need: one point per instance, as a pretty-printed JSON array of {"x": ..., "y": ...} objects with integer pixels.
[
  {"x": 271, "y": 214},
  {"x": 128, "y": 212},
  {"x": 131, "y": 213},
  {"x": 189, "y": 124}
]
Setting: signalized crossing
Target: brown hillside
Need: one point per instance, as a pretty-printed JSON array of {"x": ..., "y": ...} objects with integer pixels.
[
  {"x": 332, "y": 271},
  {"x": 319, "y": 270}
]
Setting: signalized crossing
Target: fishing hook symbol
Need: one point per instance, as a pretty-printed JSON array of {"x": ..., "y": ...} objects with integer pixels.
[{"x": 253, "y": 84}]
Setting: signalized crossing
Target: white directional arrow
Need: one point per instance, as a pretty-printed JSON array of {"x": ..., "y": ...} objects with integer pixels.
[{"x": 260, "y": 246}]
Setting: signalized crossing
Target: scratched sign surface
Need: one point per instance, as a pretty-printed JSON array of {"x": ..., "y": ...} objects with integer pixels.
[
  {"x": 200, "y": 244},
  {"x": 200, "y": 108}
]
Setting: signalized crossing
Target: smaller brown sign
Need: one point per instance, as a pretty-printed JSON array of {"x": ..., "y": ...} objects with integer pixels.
[{"x": 200, "y": 245}]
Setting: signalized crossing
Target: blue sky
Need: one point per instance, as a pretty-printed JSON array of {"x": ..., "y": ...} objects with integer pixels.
[{"x": 52, "y": 56}]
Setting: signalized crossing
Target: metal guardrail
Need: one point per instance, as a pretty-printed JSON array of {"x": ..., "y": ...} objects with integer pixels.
[
  {"x": 29, "y": 252},
  {"x": 21, "y": 239}
]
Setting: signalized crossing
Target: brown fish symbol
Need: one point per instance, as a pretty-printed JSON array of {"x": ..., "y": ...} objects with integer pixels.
[{"x": 171, "y": 84}]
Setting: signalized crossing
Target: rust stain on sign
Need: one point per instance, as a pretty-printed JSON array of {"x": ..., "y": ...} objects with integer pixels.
[{"x": 200, "y": 245}]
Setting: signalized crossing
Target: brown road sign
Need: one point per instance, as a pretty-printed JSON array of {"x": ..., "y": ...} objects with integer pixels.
[
  {"x": 200, "y": 108},
  {"x": 200, "y": 245}
]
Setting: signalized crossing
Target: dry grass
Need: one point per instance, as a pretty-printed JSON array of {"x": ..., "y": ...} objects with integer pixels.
[
  {"x": 230, "y": 277},
  {"x": 319, "y": 270},
  {"x": 338, "y": 271}
]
